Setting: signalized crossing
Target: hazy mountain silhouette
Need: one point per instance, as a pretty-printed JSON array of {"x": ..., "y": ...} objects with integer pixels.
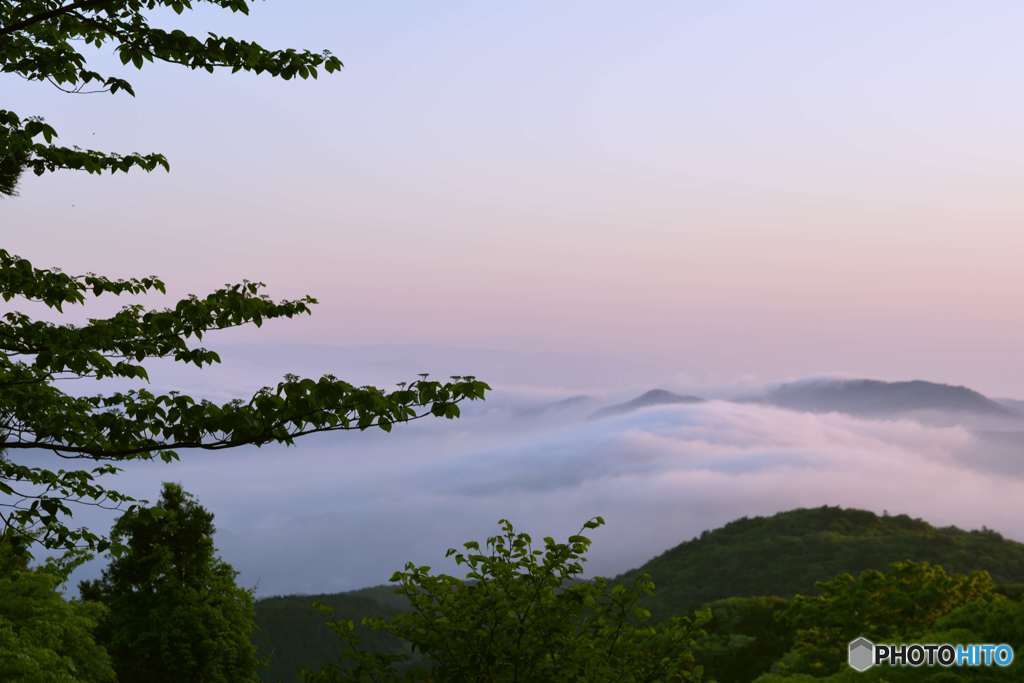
[
  {"x": 1014, "y": 404},
  {"x": 874, "y": 397},
  {"x": 654, "y": 397},
  {"x": 570, "y": 403}
]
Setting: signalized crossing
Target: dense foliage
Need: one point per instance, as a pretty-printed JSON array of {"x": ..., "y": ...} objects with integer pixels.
[
  {"x": 43, "y": 637},
  {"x": 882, "y": 606},
  {"x": 744, "y": 638},
  {"x": 521, "y": 614},
  {"x": 291, "y": 635},
  {"x": 910, "y": 603},
  {"x": 174, "y": 612}
]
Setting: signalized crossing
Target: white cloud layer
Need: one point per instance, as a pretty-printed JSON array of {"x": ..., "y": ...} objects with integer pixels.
[{"x": 343, "y": 511}]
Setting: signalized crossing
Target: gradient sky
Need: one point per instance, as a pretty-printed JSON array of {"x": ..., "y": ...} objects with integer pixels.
[{"x": 727, "y": 189}]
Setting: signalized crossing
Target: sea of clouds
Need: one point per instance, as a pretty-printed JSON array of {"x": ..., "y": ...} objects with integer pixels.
[{"x": 341, "y": 511}]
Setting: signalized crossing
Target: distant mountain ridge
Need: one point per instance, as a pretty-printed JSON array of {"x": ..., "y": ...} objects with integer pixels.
[
  {"x": 1014, "y": 404},
  {"x": 654, "y": 397},
  {"x": 865, "y": 397},
  {"x": 575, "y": 402},
  {"x": 875, "y": 397}
]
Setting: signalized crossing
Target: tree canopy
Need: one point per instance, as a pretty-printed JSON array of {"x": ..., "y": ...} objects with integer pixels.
[
  {"x": 522, "y": 613},
  {"x": 173, "y": 612},
  {"x": 910, "y": 603},
  {"x": 43, "y": 637},
  {"x": 881, "y": 606}
]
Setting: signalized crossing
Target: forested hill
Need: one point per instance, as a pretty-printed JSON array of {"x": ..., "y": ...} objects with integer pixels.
[
  {"x": 292, "y": 634},
  {"x": 781, "y": 555},
  {"x": 789, "y": 552}
]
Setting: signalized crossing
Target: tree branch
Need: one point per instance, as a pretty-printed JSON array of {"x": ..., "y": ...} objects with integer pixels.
[
  {"x": 87, "y": 453},
  {"x": 52, "y": 14}
]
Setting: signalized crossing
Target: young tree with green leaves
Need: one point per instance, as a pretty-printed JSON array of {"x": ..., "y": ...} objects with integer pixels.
[
  {"x": 522, "y": 614},
  {"x": 174, "y": 612},
  {"x": 41, "y": 424}
]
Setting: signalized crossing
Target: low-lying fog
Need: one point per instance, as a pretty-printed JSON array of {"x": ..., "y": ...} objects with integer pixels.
[{"x": 341, "y": 511}]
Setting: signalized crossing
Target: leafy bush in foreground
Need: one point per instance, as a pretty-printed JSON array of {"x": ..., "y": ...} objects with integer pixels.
[
  {"x": 521, "y": 614},
  {"x": 43, "y": 637}
]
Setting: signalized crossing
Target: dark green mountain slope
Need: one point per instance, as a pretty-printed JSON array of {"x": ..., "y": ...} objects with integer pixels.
[
  {"x": 790, "y": 551},
  {"x": 293, "y": 634}
]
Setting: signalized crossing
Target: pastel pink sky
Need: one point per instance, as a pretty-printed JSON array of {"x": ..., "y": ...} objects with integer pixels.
[{"x": 730, "y": 188}]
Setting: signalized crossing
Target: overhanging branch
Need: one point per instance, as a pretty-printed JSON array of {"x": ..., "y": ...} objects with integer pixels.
[{"x": 52, "y": 14}]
